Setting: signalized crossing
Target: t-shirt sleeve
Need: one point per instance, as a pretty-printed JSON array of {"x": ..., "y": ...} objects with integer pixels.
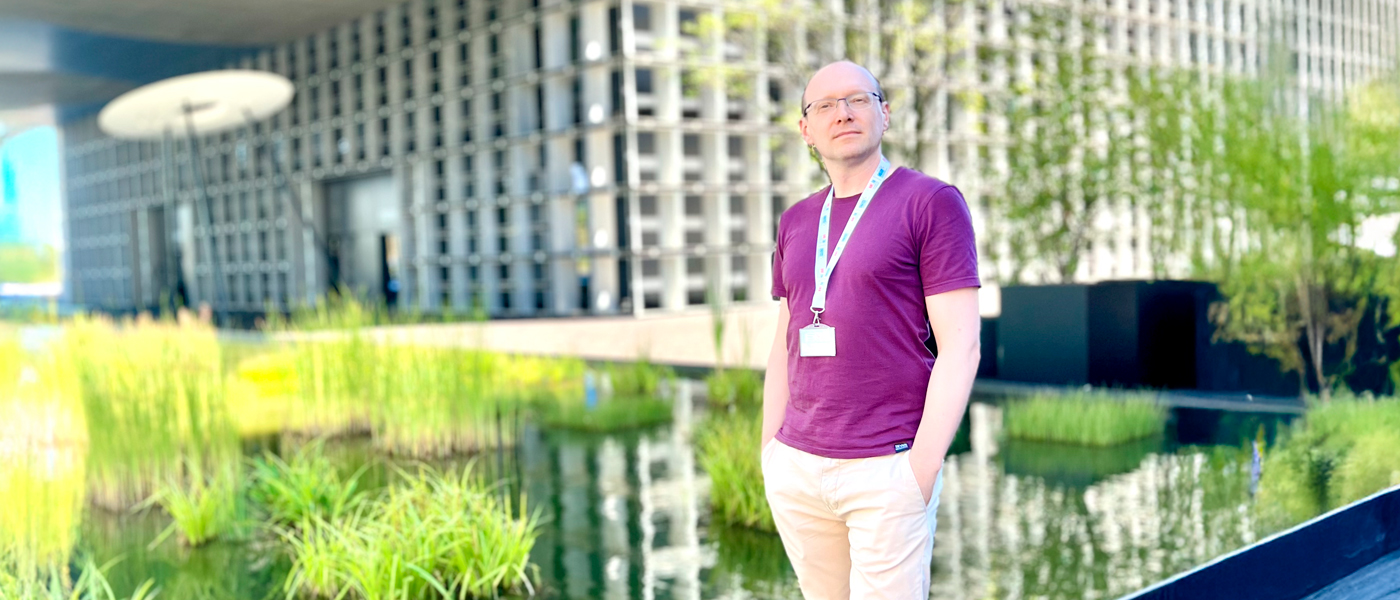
[
  {"x": 946, "y": 244},
  {"x": 779, "y": 288}
]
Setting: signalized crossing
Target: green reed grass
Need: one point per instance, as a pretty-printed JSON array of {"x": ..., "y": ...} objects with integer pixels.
[
  {"x": 56, "y": 583},
  {"x": 640, "y": 378},
  {"x": 729, "y": 452},
  {"x": 153, "y": 395},
  {"x": 430, "y": 534},
  {"x": 1084, "y": 418},
  {"x": 422, "y": 401},
  {"x": 305, "y": 486},
  {"x": 202, "y": 506},
  {"x": 735, "y": 387},
  {"x": 41, "y": 492},
  {"x": 1340, "y": 452},
  {"x": 611, "y": 414}
]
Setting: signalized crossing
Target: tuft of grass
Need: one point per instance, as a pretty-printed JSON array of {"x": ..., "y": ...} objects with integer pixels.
[
  {"x": 729, "y": 452},
  {"x": 642, "y": 378},
  {"x": 201, "y": 507},
  {"x": 1086, "y": 418},
  {"x": 1338, "y": 453},
  {"x": 430, "y": 534},
  {"x": 305, "y": 487},
  {"x": 735, "y": 387}
]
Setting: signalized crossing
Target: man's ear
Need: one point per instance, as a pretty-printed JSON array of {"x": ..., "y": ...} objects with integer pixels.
[{"x": 802, "y": 127}]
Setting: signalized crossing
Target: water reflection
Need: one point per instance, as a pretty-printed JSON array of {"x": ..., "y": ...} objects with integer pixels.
[{"x": 626, "y": 517}]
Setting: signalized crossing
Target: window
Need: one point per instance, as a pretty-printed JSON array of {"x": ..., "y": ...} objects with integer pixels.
[
  {"x": 641, "y": 17},
  {"x": 644, "y": 85}
]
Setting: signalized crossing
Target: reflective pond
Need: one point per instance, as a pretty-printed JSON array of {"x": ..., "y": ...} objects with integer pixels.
[{"x": 626, "y": 516}]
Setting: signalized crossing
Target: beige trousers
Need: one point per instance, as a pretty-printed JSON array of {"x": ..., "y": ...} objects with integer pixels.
[{"x": 853, "y": 528}]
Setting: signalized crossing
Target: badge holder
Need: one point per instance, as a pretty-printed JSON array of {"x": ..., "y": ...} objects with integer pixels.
[{"x": 817, "y": 339}]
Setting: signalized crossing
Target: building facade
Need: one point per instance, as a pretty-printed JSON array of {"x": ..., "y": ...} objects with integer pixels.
[{"x": 557, "y": 157}]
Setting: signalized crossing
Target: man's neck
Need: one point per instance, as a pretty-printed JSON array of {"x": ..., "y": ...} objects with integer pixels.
[{"x": 850, "y": 179}]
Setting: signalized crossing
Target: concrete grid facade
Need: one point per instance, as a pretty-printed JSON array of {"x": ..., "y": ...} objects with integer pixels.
[{"x": 548, "y": 157}]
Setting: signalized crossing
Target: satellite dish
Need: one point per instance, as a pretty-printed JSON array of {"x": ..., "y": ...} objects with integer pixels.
[
  {"x": 213, "y": 101},
  {"x": 578, "y": 176}
]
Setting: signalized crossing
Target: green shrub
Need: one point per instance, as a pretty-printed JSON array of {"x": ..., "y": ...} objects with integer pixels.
[
  {"x": 1087, "y": 418},
  {"x": 1338, "y": 453},
  {"x": 735, "y": 387},
  {"x": 729, "y": 452}
]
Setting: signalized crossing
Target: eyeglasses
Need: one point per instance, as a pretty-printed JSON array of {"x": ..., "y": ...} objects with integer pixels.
[{"x": 857, "y": 102}]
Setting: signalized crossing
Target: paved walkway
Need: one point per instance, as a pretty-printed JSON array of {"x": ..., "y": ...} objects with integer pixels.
[{"x": 682, "y": 339}]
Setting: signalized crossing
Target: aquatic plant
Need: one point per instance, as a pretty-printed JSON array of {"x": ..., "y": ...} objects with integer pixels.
[
  {"x": 153, "y": 395},
  {"x": 55, "y": 583},
  {"x": 610, "y": 414},
  {"x": 639, "y": 378},
  {"x": 305, "y": 486},
  {"x": 735, "y": 387},
  {"x": 1084, "y": 418},
  {"x": 728, "y": 451},
  {"x": 430, "y": 534},
  {"x": 201, "y": 506}
]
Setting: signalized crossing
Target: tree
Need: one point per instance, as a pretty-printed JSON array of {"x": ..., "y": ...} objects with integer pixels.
[
  {"x": 1068, "y": 152},
  {"x": 1271, "y": 191},
  {"x": 904, "y": 43}
]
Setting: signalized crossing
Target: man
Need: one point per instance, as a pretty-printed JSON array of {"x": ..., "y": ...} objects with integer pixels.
[{"x": 855, "y": 434}]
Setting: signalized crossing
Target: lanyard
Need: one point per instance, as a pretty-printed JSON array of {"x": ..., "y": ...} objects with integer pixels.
[{"x": 823, "y": 266}]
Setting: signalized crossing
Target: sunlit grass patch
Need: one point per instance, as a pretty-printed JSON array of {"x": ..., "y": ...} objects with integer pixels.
[
  {"x": 153, "y": 395},
  {"x": 41, "y": 506},
  {"x": 1086, "y": 418},
  {"x": 430, "y": 534},
  {"x": 203, "y": 504},
  {"x": 728, "y": 450},
  {"x": 56, "y": 582},
  {"x": 1338, "y": 453}
]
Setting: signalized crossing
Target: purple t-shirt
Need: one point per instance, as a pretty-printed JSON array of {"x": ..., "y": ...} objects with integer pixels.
[{"x": 915, "y": 240}]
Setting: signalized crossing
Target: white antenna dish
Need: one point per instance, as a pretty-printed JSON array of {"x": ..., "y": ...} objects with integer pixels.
[{"x": 213, "y": 101}]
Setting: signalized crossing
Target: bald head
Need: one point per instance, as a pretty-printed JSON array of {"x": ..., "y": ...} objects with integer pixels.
[{"x": 837, "y": 73}]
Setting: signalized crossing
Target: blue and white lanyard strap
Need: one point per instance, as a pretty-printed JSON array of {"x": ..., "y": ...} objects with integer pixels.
[{"x": 825, "y": 267}]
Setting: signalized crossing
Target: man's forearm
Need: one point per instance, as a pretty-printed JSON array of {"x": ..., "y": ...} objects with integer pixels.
[
  {"x": 949, "y": 387},
  {"x": 775, "y": 394}
]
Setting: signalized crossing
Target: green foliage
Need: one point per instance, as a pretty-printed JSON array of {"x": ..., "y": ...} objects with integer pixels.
[
  {"x": 55, "y": 583},
  {"x": 22, "y": 263},
  {"x": 1088, "y": 419},
  {"x": 735, "y": 387},
  {"x": 294, "y": 491},
  {"x": 1074, "y": 465},
  {"x": 201, "y": 507},
  {"x": 1064, "y": 169},
  {"x": 729, "y": 452},
  {"x": 1341, "y": 452},
  {"x": 618, "y": 413},
  {"x": 420, "y": 401},
  {"x": 1271, "y": 205},
  {"x": 430, "y": 534},
  {"x": 639, "y": 379},
  {"x": 153, "y": 395}
]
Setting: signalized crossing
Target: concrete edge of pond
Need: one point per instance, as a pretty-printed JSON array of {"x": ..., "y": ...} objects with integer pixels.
[{"x": 1301, "y": 561}]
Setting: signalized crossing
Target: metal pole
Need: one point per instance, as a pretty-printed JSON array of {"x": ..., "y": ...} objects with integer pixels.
[{"x": 215, "y": 269}]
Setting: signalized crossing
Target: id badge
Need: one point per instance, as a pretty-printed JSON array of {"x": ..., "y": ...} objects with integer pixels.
[{"x": 817, "y": 340}]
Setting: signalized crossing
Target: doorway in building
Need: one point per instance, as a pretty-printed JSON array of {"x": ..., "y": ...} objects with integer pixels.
[{"x": 363, "y": 228}]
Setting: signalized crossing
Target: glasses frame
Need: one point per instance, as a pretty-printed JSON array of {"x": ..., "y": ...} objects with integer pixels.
[{"x": 879, "y": 99}]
